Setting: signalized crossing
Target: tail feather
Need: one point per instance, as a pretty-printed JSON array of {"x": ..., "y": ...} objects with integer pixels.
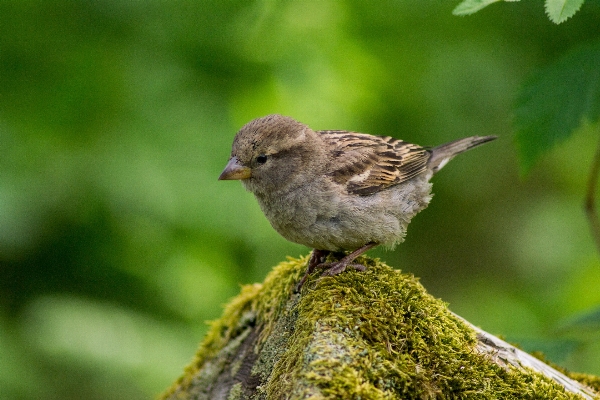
[{"x": 441, "y": 154}]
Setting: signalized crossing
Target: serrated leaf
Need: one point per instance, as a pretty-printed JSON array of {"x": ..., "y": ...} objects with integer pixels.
[
  {"x": 557, "y": 101},
  {"x": 560, "y": 10},
  {"x": 468, "y": 7}
]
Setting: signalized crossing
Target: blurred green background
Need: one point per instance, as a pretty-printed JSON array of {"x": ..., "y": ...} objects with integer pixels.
[{"x": 117, "y": 242}]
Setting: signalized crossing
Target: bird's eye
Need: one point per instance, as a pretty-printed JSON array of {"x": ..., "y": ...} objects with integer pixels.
[{"x": 261, "y": 159}]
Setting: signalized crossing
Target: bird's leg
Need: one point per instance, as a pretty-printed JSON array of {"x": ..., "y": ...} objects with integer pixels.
[
  {"x": 337, "y": 267},
  {"x": 317, "y": 257}
]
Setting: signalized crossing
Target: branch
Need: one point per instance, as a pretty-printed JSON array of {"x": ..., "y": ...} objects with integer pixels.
[
  {"x": 373, "y": 334},
  {"x": 507, "y": 355}
]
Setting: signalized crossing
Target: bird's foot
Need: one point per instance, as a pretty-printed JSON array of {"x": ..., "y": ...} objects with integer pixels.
[
  {"x": 334, "y": 268},
  {"x": 316, "y": 258},
  {"x": 337, "y": 267}
]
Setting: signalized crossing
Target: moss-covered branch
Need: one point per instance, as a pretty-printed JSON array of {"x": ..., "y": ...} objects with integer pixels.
[{"x": 372, "y": 335}]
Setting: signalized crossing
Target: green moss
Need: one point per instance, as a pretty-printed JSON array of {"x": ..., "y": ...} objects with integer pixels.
[
  {"x": 587, "y": 379},
  {"x": 371, "y": 335},
  {"x": 225, "y": 328},
  {"x": 236, "y": 392},
  {"x": 257, "y": 304}
]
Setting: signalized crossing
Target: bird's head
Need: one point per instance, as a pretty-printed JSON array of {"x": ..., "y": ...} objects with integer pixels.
[{"x": 268, "y": 152}]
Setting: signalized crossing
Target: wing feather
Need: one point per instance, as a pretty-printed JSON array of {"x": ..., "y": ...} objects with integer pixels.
[{"x": 366, "y": 164}]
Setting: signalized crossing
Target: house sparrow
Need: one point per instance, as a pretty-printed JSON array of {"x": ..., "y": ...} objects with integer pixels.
[{"x": 336, "y": 190}]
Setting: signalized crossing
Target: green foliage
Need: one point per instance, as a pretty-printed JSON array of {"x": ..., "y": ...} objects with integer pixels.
[
  {"x": 117, "y": 241},
  {"x": 585, "y": 322},
  {"x": 557, "y": 101},
  {"x": 467, "y": 7},
  {"x": 558, "y": 11}
]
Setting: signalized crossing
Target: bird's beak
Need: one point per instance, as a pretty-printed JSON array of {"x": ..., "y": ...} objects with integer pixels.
[{"x": 235, "y": 170}]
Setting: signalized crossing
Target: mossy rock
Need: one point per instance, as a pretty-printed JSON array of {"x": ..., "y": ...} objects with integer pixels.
[{"x": 375, "y": 334}]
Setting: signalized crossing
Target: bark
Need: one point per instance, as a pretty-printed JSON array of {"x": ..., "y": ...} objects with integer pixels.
[{"x": 373, "y": 335}]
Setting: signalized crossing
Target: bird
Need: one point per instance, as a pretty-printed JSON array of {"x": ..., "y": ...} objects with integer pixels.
[{"x": 336, "y": 191}]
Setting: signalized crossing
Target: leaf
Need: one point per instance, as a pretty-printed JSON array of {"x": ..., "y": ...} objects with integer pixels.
[
  {"x": 560, "y": 10},
  {"x": 557, "y": 101},
  {"x": 468, "y": 7}
]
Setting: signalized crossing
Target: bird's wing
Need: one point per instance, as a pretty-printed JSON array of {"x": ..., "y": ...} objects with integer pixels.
[{"x": 366, "y": 164}]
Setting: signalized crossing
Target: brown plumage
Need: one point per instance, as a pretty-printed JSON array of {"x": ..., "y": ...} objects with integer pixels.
[
  {"x": 366, "y": 164},
  {"x": 336, "y": 190}
]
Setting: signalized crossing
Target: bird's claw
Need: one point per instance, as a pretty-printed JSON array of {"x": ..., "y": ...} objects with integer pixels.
[
  {"x": 334, "y": 268},
  {"x": 315, "y": 260},
  {"x": 301, "y": 283}
]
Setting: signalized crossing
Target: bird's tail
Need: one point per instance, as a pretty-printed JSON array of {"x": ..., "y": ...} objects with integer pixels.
[{"x": 441, "y": 154}]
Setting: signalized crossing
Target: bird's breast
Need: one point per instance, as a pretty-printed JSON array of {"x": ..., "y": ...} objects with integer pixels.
[{"x": 320, "y": 215}]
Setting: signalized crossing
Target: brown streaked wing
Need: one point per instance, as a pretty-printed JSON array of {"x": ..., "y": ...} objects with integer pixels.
[{"x": 367, "y": 164}]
